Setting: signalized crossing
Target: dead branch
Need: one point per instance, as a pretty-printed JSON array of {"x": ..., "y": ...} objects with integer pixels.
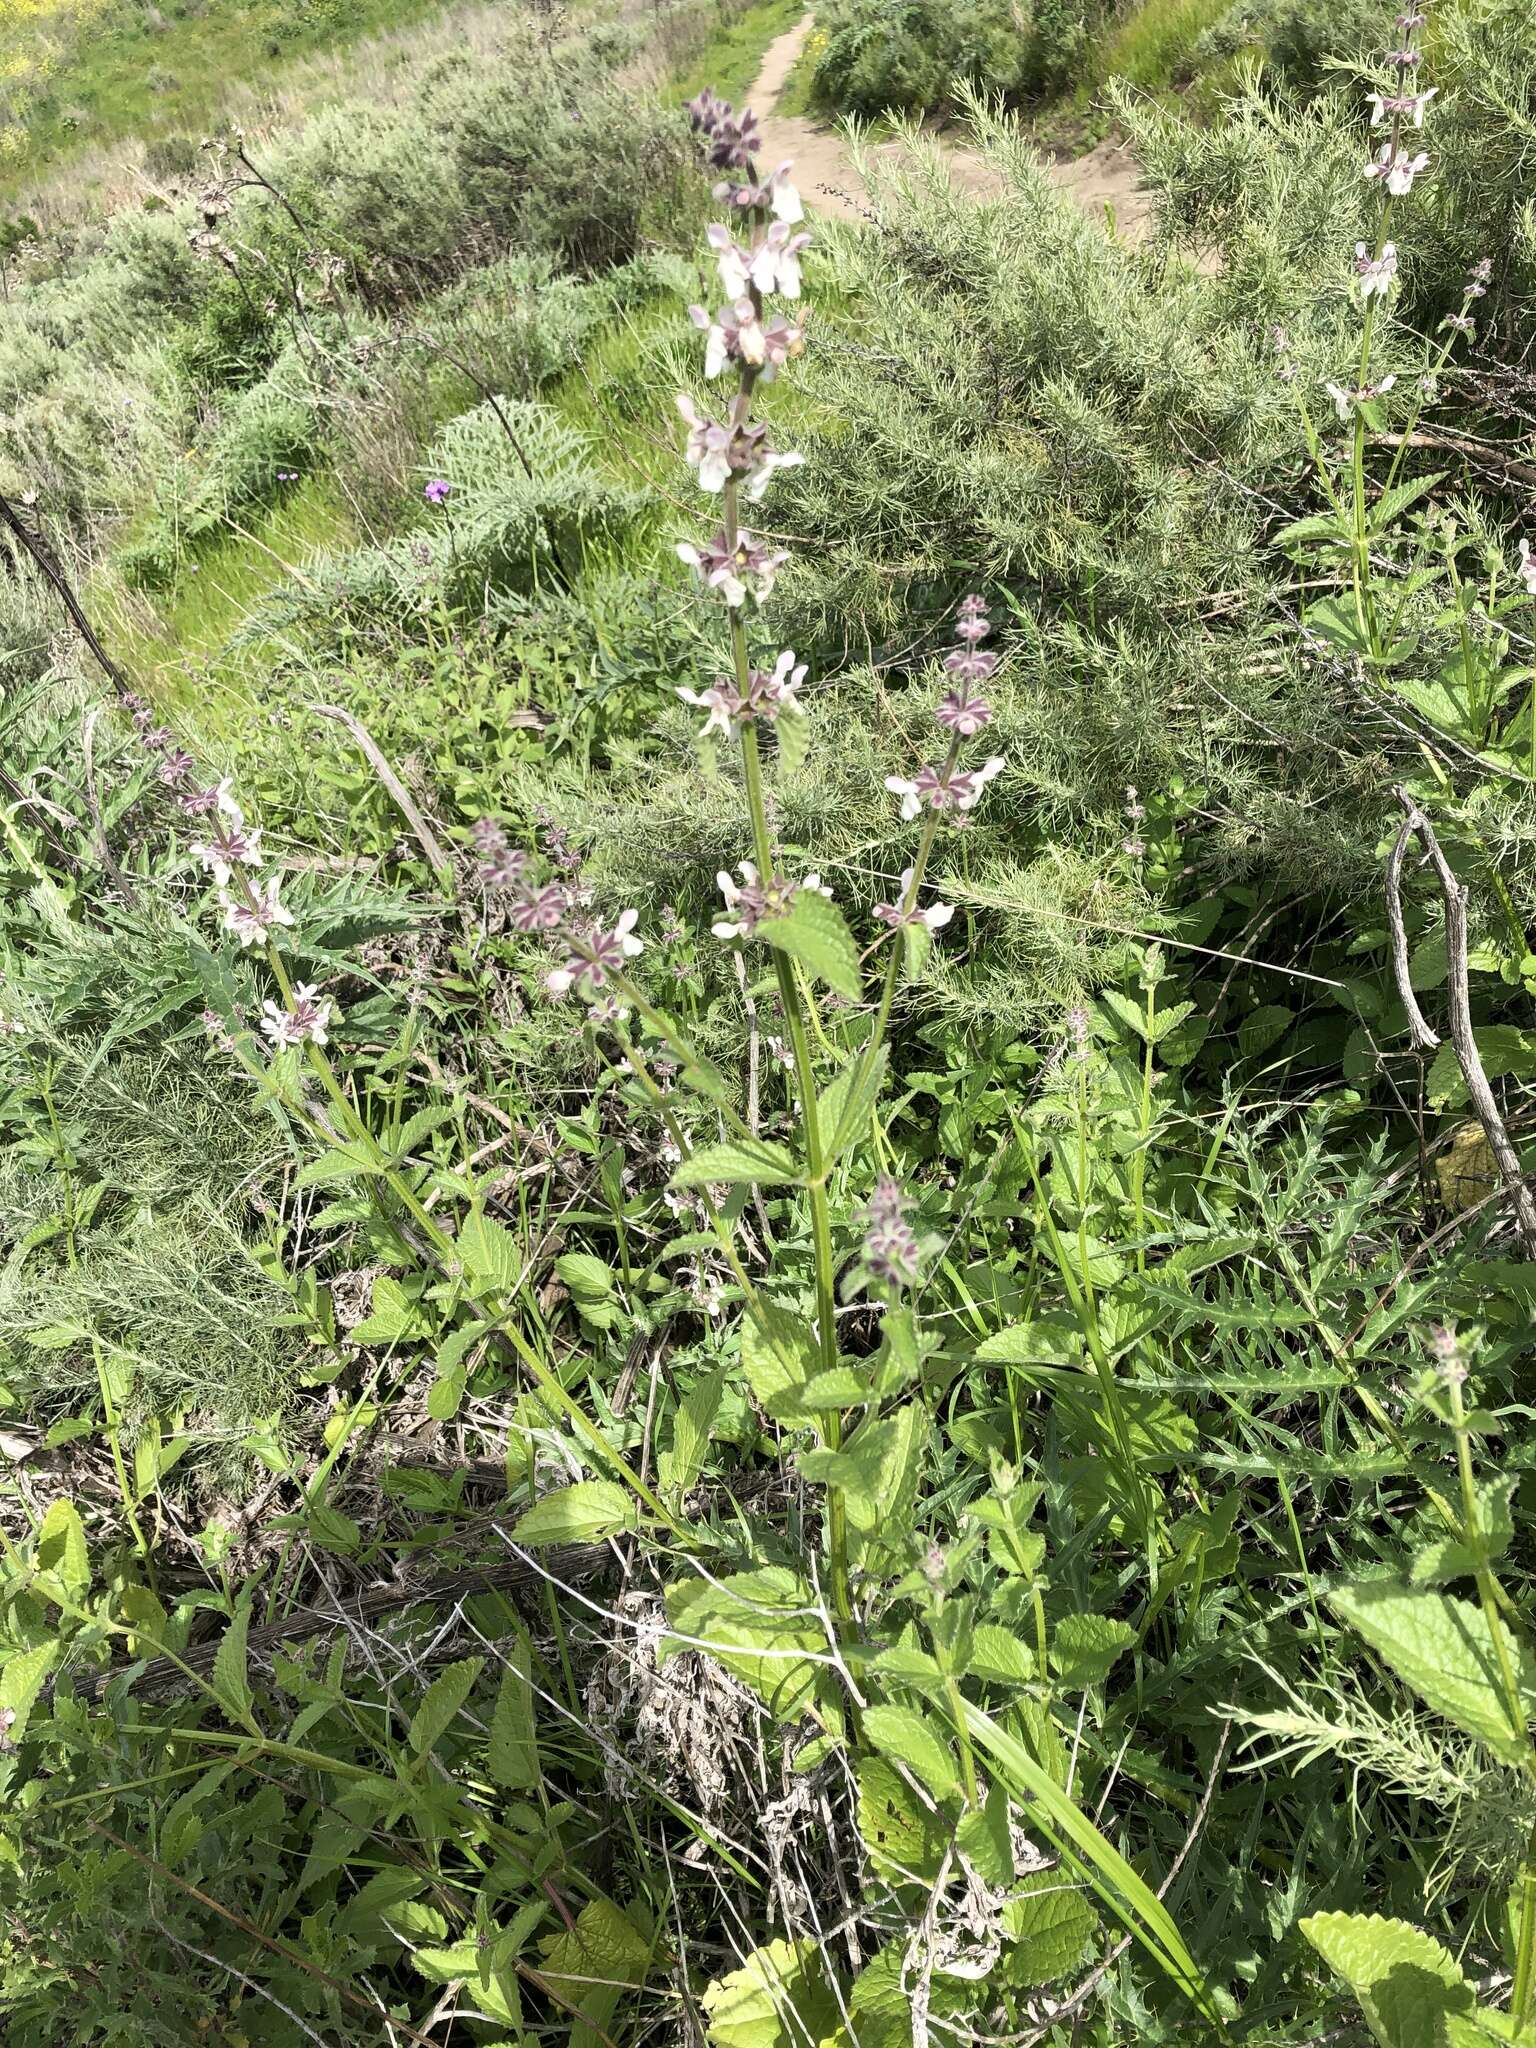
[
  {"x": 369, "y": 747},
  {"x": 1463, "y": 1040}
]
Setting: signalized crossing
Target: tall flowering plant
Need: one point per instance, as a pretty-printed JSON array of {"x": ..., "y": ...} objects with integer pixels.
[
  {"x": 751, "y": 337},
  {"x": 1407, "y": 564}
]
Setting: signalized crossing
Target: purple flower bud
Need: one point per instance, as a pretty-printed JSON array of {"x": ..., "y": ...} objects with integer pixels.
[{"x": 175, "y": 766}]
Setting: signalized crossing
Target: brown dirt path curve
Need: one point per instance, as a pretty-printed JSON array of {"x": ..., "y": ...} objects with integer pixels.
[{"x": 829, "y": 180}]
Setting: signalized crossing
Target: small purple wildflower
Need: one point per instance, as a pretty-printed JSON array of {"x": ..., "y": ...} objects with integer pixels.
[
  {"x": 157, "y": 738},
  {"x": 307, "y": 1017},
  {"x": 197, "y": 803},
  {"x": 733, "y": 571},
  {"x": 175, "y": 766},
  {"x": 890, "y": 1246},
  {"x": 438, "y": 491},
  {"x": 1397, "y": 168},
  {"x": 596, "y": 959},
  {"x": 253, "y": 916},
  {"x": 771, "y": 261},
  {"x": 1387, "y": 107},
  {"x": 1377, "y": 274},
  {"x": 769, "y": 694},
  {"x": 960, "y": 712},
  {"x": 540, "y": 910},
  {"x": 959, "y": 790},
  {"x": 752, "y": 899},
  {"x": 899, "y": 914}
]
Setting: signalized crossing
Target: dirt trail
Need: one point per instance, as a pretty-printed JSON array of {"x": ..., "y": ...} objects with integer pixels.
[{"x": 825, "y": 172}]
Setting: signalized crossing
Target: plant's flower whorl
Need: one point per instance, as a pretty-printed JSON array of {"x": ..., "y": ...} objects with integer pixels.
[
  {"x": 890, "y": 1245},
  {"x": 596, "y": 958},
  {"x": 308, "y": 1016},
  {"x": 933, "y": 919}
]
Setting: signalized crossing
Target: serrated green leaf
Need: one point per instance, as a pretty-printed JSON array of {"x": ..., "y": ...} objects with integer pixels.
[
  {"x": 231, "y": 1679},
  {"x": 1085, "y": 1646},
  {"x": 1444, "y": 1650},
  {"x": 420, "y": 1126},
  {"x": 491, "y": 1255},
  {"x": 584, "y": 1513},
  {"x": 763, "y": 1626},
  {"x": 21, "y": 1680},
  {"x": 877, "y": 1469},
  {"x": 441, "y": 1703},
  {"x": 1263, "y": 1027},
  {"x": 778, "y": 1356},
  {"x": 588, "y": 1277},
  {"x": 998, "y": 1655},
  {"x": 394, "y": 1316},
  {"x": 445, "y": 1396},
  {"x": 512, "y": 1752},
  {"x": 1394, "y": 503},
  {"x": 780, "y": 1998},
  {"x": 844, "y": 1106},
  {"x": 752, "y": 1162},
  {"x": 681, "y": 1465},
  {"x": 816, "y": 934},
  {"x": 1406, "y": 1983},
  {"x": 341, "y": 1162},
  {"x": 1051, "y": 1921},
  {"x": 984, "y": 1836},
  {"x": 1448, "y": 1558},
  {"x": 1502, "y": 1049},
  {"x": 61, "y": 1550},
  {"x": 904, "y": 1838},
  {"x": 594, "y": 1965},
  {"x": 910, "y": 1738}
]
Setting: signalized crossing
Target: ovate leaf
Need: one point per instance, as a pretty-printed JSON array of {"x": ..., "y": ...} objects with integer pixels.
[
  {"x": 1051, "y": 1919},
  {"x": 592, "y": 1967},
  {"x": 760, "y": 1625},
  {"x": 844, "y": 1105},
  {"x": 740, "y": 1161},
  {"x": 1085, "y": 1646},
  {"x": 816, "y": 934},
  {"x": 512, "y": 1753},
  {"x": 583, "y": 1513},
  {"x": 492, "y": 1259},
  {"x": 778, "y": 1356},
  {"x": 231, "y": 1680},
  {"x": 680, "y": 1467},
  {"x": 1443, "y": 1649},
  {"x": 904, "y": 1838},
  {"x": 61, "y": 1550},
  {"x": 441, "y": 1703},
  {"x": 910, "y": 1738},
  {"x": 780, "y": 1998},
  {"x": 1406, "y": 1983}
]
